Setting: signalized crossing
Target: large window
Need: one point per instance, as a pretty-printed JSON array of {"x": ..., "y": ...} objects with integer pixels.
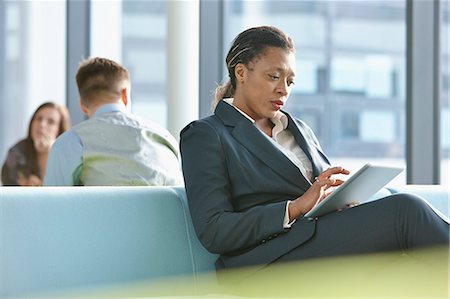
[
  {"x": 32, "y": 63},
  {"x": 350, "y": 72},
  {"x": 350, "y": 64}
]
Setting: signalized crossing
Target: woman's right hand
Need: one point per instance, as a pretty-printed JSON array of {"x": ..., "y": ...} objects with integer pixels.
[
  {"x": 43, "y": 143},
  {"x": 319, "y": 190}
]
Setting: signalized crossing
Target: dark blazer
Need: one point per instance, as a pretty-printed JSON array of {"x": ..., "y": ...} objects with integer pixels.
[{"x": 238, "y": 184}]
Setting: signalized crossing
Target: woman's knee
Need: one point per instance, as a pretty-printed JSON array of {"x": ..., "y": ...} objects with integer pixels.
[
  {"x": 406, "y": 205},
  {"x": 407, "y": 200},
  {"x": 416, "y": 208}
]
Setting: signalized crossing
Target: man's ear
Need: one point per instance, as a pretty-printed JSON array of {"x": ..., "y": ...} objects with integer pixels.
[
  {"x": 124, "y": 96},
  {"x": 240, "y": 71}
]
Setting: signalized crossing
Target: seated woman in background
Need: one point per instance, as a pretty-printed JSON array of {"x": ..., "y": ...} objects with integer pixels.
[
  {"x": 26, "y": 161},
  {"x": 252, "y": 171}
]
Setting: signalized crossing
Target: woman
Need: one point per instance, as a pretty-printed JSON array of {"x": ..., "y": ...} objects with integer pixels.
[
  {"x": 26, "y": 160},
  {"x": 249, "y": 172}
]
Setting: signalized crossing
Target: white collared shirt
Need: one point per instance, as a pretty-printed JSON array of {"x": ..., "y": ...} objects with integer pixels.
[{"x": 285, "y": 142}]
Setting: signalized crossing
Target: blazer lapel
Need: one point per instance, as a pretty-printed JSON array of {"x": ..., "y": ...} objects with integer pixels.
[
  {"x": 246, "y": 133},
  {"x": 314, "y": 154}
]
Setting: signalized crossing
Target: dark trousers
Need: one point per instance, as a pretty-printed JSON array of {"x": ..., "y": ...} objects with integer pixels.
[{"x": 401, "y": 222}]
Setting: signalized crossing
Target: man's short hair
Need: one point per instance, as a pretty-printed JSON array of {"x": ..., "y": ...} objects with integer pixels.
[{"x": 100, "y": 76}]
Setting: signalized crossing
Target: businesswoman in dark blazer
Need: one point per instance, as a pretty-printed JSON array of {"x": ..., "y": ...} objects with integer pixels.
[{"x": 250, "y": 174}]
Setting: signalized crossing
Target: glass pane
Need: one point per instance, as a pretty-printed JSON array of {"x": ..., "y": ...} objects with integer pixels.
[
  {"x": 32, "y": 63},
  {"x": 138, "y": 41},
  {"x": 144, "y": 54},
  {"x": 350, "y": 72}
]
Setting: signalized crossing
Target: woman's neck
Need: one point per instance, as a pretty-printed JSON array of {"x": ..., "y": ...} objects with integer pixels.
[{"x": 265, "y": 125}]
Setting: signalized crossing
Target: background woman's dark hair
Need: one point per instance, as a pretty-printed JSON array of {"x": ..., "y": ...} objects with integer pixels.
[{"x": 247, "y": 46}]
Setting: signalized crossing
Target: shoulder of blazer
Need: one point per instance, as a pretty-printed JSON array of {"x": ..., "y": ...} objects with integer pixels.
[
  {"x": 210, "y": 125},
  {"x": 228, "y": 114},
  {"x": 210, "y": 121},
  {"x": 224, "y": 116}
]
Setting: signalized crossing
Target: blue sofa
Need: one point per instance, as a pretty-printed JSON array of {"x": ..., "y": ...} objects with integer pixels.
[{"x": 57, "y": 239}]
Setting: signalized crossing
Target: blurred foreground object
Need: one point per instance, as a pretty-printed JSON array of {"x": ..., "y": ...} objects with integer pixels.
[{"x": 384, "y": 275}]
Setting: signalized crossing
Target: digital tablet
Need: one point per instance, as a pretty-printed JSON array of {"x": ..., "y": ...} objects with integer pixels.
[{"x": 357, "y": 189}]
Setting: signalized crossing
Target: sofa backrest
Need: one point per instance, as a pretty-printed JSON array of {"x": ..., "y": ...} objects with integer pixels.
[{"x": 57, "y": 238}]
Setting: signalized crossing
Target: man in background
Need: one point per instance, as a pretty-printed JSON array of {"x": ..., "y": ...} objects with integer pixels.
[{"x": 113, "y": 146}]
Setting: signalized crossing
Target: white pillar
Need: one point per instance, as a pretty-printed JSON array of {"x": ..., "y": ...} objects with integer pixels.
[{"x": 182, "y": 81}]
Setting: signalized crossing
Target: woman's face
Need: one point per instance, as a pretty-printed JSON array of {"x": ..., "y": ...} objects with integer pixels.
[
  {"x": 45, "y": 128},
  {"x": 263, "y": 86}
]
